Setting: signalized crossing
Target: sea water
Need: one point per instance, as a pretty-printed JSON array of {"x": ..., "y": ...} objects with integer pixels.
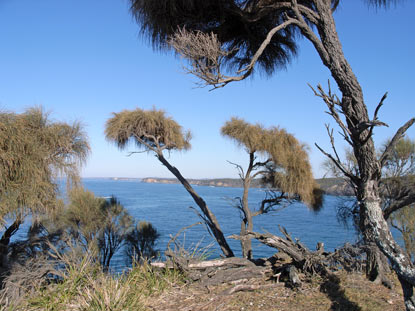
[{"x": 170, "y": 208}]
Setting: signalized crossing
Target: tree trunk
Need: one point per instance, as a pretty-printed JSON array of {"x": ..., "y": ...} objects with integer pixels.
[
  {"x": 372, "y": 223},
  {"x": 5, "y": 240},
  {"x": 210, "y": 218},
  {"x": 377, "y": 266},
  {"x": 247, "y": 224}
]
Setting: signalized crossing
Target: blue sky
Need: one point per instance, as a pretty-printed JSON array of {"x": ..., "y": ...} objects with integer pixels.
[{"x": 84, "y": 60}]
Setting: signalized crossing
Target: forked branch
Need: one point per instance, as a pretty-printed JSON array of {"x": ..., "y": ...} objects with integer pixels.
[
  {"x": 339, "y": 165},
  {"x": 331, "y": 100},
  {"x": 207, "y": 55}
]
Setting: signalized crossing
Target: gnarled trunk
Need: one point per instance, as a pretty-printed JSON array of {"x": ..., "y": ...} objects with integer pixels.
[
  {"x": 377, "y": 266},
  {"x": 372, "y": 222}
]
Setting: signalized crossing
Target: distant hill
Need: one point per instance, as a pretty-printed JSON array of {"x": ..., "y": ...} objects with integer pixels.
[
  {"x": 333, "y": 186},
  {"x": 218, "y": 182}
]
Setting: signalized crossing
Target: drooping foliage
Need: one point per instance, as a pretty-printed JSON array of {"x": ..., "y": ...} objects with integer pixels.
[
  {"x": 149, "y": 129},
  {"x": 34, "y": 151},
  {"x": 251, "y": 137},
  {"x": 239, "y": 25},
  {"x": 288, "y": 168}
]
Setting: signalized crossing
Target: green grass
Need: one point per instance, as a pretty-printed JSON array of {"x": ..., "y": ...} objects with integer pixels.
[{"x": 85, "y": 287}]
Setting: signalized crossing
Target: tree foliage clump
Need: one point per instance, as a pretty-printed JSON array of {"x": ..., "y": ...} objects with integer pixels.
[
  {"x": 285, "y": 171},
  {"x": 286, "y": 165},
  {"x": 150, "y": 129},
  {"x": 34, "y": 151},
  {"x": 404, "y": 221},
  {"x": 238, "y": 25},
  {"x": 94, "y": 222},
  {"x": 397, "y": 182},
  {"x": 140, "y": 242}
]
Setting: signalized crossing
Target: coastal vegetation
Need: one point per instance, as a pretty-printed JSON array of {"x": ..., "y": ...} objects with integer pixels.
[
  {"x": 85, "y": 233},
  {"x": 227, "y": 41},
  {"x": 64, "y": 262},
  {"x": 34, "y": 151},
  {"x": 285, "y": 172},
  {"x": 153, "y": 131}
]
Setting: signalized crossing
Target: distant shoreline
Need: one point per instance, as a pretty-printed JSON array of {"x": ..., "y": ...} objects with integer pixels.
[{"x": 331, "y": 186}]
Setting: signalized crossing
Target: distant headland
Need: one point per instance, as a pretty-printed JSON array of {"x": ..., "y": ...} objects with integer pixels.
[{"x": 333, "y": 186}]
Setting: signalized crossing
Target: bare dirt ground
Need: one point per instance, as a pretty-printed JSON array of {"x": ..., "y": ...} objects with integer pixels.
[{"x": 342, "y": 292}]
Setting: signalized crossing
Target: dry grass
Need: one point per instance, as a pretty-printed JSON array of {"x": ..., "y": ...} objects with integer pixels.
[
  {"x": 347, "y": 292},
  {"x": 83, "y": 286}
]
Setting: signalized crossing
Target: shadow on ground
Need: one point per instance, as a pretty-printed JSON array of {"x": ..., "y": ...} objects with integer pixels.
[{"x": 331, "y": 287}]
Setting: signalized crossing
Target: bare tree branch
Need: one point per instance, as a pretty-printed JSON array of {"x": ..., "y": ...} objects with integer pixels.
[
  {"x": 130, "y": 153},
  {"x": 311, "y": 15},
  {"x": 331, "y": 100},
  {"x": 268, "y": 204},
  {"x": 309, "y": 34},
  {"x": 399, "y": 134},
  {"x": 240, "y": 169},
  {"x": 142, "y": 141},
  {"x": 346, "y": 172},
  {"x": 407, "y": 200},
  {"x": 375, "y": 116},
  {"x": 330, "y": 133}
]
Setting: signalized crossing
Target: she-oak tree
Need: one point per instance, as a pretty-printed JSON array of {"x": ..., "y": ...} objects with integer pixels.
[
  {"x": 153, "y": 131},
  {"x": 34, "y": 151},
  {"x": 285, "y": 171},
  {"x": 246, "y": 34}
]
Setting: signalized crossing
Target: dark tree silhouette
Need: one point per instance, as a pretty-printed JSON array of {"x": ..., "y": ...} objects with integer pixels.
[
  {"x": 153, "y": 131},
  {"x": 261, "y": 34},
  {"x": 140, "y": 242}
]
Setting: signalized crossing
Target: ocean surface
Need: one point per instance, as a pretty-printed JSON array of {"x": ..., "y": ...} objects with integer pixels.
[{"x": 170, "y": 208}]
